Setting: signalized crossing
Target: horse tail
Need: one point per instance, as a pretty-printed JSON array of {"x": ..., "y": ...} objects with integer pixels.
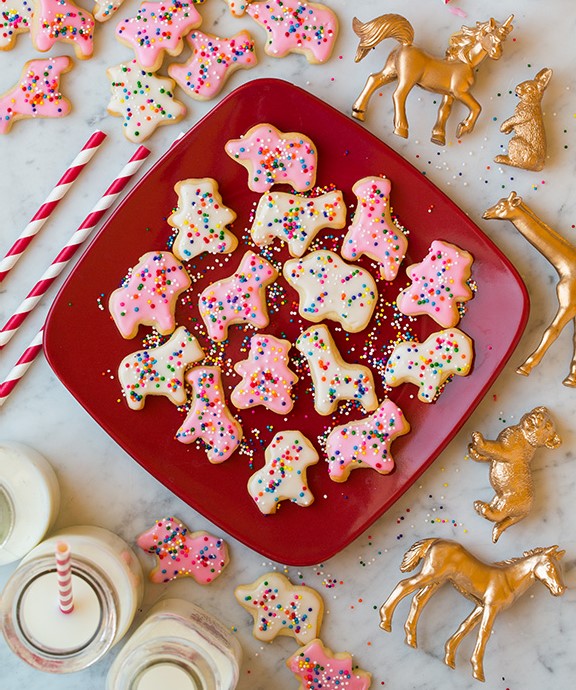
[
  {"x": 415, "y": 554},
  {"x": 386, "y": 26}
]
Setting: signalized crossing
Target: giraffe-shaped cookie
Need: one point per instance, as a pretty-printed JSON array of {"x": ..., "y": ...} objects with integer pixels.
[
  {"x": 316, "y": 666},
  {"x": 209, "y": 418},
  {"x": 240, "y": 298},
  {"x": 333, "y": 378},
  {"x": 283, "y": 476},
  {"x": 62, "y": 20}
]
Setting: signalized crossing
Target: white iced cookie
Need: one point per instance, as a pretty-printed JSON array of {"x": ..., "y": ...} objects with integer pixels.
[
  {"x": 329, "y": 288},
  {"x": 428, "y": 365},
  {"x": 283, "y": 476},
  {"x": 296, "y": 219},
  {"x": 201, "y": 219},
  {"x": 333, "y": 378},
  {"x": 159, "y": 370}
]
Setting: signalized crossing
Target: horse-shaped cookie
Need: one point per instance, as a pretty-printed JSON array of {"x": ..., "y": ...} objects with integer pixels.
[{"x": 316, "y": 666}]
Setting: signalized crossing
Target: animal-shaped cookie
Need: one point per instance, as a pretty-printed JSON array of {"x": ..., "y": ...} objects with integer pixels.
[
  {"x": 106, "y": 9},
  {"x": 209, "y": 418},
  {"x": 296, "y": 219},
  {"x": 62, "y": 20},
  {"x": 430, "y": 364},
  {"x": 181, "y": 553},
  {"x": 317, "y": 667},
  {"x": 37, "y": 94},
  {"x": 213, "y": 61},
  {"x": 527, "y": 148},
  {"x": 373, "y": 231},
  {"x": 240, "y": 298},
  {"x": 439, "y": 284},
  {"x": 274, "y": 157},
  {"x": 283, "y": 476},
  {"x": 159, "y": 370},
  {"x": 365, "y": 442},
  {"x": 15, "y": 18},
  {"x": 238, "y": 7},
  {"x": 510, "y": 456},
  {"x": 329, "y": 288},
  {"x": 281, "y": 608},
  {"x": 266, "y": 377},
  {"x": 149, "y": 293},
  {"x": 333, "y": 378},
  {"x": 296, "y": 26},
  {"x": 201, "y": 219}
]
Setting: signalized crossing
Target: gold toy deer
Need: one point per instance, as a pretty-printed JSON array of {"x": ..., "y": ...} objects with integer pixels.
[
  {"x": 452, "y": 77},
  {"x": 492, "y": 588},
  {"x": 562, "y": 255}
]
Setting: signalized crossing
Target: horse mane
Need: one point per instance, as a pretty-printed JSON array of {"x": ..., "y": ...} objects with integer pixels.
[
  {"x": 464, "y": 39},
  {"x": 532, "y": 552},
  {"x": 386, "y": 26}
]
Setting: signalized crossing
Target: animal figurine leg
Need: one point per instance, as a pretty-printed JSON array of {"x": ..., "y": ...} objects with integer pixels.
[
  {"x": 570, "y": 380},
  {"x": 399, "y": 98},
  {"x": 467, "y": 125},
  {"x": 439, "y": 130},
  {"x": 488, "y": 616},
  {"x": 402, "y": 589},
  {"x": 419, "y": 601},
  {"x": 464, "y": 628},
  {"x": 373, "y": 83}
]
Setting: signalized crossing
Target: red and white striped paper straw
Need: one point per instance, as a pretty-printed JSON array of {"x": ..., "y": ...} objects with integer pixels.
[
  {"x": 53, "y": 199},
  {"x": 21, "y": 367},
  {"x": 64, "y": 577},
  {"x": 68, "y": 251}
]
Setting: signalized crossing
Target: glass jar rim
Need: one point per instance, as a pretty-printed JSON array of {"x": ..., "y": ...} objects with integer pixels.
[{"x": 7, "y": 512}]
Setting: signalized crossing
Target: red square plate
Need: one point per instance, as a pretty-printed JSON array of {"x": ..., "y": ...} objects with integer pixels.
[{"x": 83, "y": 345}]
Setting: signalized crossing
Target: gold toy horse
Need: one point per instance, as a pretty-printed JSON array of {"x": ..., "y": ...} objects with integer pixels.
[
  {"x": 492, "y": 588},
  {"x": 452, "y": 77}
]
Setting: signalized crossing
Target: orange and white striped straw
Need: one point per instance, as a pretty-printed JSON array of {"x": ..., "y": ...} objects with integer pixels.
[{"x": 64, "y": 577}]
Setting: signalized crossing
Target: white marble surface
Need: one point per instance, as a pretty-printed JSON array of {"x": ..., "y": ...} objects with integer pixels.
[{"x": 533, "y": 643}]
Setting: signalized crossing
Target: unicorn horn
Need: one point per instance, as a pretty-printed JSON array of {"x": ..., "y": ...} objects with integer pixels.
[{"x": 507, "y": 27}]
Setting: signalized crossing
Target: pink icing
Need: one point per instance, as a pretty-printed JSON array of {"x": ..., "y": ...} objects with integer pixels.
[
  {"x": 241, "y": 298},
  {"x": 36, "y": 94},
  {"x": 274, "y": 157},
  {"x": 213, "y": 60},
  {"x": 15, "y": 18},
  {"x": 365, "y": 443},
  {"x": 181, "y": 553},
  {"x": 317, "y": 667},
  {"x": 296, "y": 26},
  {"x": 267, "y": 379},
  {"x": 158, "y": 27},
  {"x": 62, "y": 20},
  {"x": 149, "y": 294},
  {"x": 209, "y": 418},
  {"x": 438, "y": 284},
  {"x": 373, "y": 232}
]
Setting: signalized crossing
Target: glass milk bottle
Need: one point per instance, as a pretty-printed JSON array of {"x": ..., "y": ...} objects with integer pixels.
[
  {"x": 179, "y": 646},
  {"x": 107, "y": 588}
]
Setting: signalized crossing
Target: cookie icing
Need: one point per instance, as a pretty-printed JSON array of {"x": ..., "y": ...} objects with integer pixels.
[
  {"x": 240, "y": 298},
  {"x": 333, "y": 378},
  {"x": 366, "y": 442},
  {"x": 37, "y": 94},
  {"x": 329, "y": 288},
  {"x": 430, "y": 364},
  {"x": 439, "y": 284},
  {"x": 281, "y": 608},
  {"x": 283, "y": 476},
  {"x": 213, "y": 61},
  {"x": 148, "y": 296},
  {"x": 181, "y": 553},
  {"x": 104, "y": 10},
  {"x": 238, "y": 7},
  {"x": 201, "y": 219},
  {"x": 144, "y": 100},
  {"x": 62, "y": 20},
  {"x": 373, "y": 232},
  {"x": 209, "y": 418},
  {"x": 318, "y": 668},
  {"x": 275, "y": 157},
  {"x": 296, "y": 26},
  {"x": 15, "y": 18},
  {"x": 266, "y": 377},
  {"x": 159, "y": 370},
  {"x": 296, "y": 219}
]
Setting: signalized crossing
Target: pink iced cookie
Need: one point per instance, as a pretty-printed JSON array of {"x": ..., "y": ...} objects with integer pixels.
[
  {"x": 283, "y": 476},
  {"x": 148, "y": 295},
  {"x": 158, "y": 27},
  {"x": 366, "y": 442},
  {"x": 213, "y": 61},
  {"x": 241, "y": 298},
  {"x": 267, "y": 379},
  {"x": 15, "y": 18},
  {"x": 373, "y": 231},
  {"x": 62, "y": 20},
  {"x": 439, "y": 284},
  {"x": 275, "y": 157},
  {"x": 296, "y": 26},
  {"x": 209, "y": 418},
  {"x": 37, "y": 93},
  {"x": 181, "y": 553},
  {"x": 317, "y": 667}
]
